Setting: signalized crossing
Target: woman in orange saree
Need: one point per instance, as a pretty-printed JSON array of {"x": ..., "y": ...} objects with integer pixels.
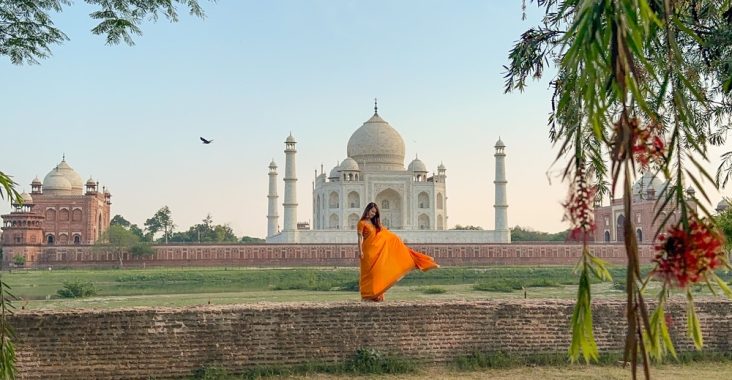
[{"x": 385, "y": 259}]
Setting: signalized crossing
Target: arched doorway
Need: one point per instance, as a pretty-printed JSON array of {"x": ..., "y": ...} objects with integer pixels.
[
  {"x": 390, "y": 206},
  {"x": 620, "y": 228}
]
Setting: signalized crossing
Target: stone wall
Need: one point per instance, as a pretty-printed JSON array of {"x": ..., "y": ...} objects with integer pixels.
[
  {"x": 316, "y": 255},
  {"x": 163, "y": 343}
]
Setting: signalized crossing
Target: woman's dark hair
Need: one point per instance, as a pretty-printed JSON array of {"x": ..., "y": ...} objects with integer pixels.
[{"x": 376, "y": 220}]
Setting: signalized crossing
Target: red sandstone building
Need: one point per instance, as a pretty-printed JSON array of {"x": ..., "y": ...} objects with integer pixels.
[
  {"x": 63, "y": 210},
  {"x": 610, "y": 220}
]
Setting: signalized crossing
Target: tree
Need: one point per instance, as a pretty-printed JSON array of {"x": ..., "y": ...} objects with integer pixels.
[
  {"x": 206, "y": 232},
  {"x": 7, "y": 188},
  {"x": 519, "y": 233},
  {"x": 117, "y": 240},
  {"x": 27, "y": 30},
  {"x": 251, "y": 240},
  {"x": 724, "y": 221},
  {"x": 26, "y": 34},
  {"x": 161, "y": 221},
  {"x": 641, "y": 85},
  {"x": 121, "y": 221},
  {"x": 468, "y": 227}
]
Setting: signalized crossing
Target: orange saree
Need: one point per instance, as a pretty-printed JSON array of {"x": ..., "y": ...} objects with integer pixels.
[{"x": 386, "y": 259}]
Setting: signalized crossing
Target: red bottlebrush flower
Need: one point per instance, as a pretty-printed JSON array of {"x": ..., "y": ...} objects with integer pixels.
[
  {"x": 578, "y": 207},
  {"x": 685, "y": 257},
  {"x": 647, "y": 144}
]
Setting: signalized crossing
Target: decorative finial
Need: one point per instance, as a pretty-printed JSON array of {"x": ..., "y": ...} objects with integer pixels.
[
  {"x": 63, "y": 157},
  {"x": 376, "y": 107}
]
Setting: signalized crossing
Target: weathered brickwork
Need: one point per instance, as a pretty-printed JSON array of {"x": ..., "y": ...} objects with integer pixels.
[
  {"x": 163, "y": 343},
  {"x": 321, "y": 255}
]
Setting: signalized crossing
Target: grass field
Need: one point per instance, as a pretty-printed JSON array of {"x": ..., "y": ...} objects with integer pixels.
[{"x": 195, "y": 286}]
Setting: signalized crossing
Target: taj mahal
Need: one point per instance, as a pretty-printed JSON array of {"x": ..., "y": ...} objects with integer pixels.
[{"x": 412, "y": 202}]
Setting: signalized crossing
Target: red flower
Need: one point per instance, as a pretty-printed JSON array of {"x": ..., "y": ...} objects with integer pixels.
[
  {"x": 685, "y": 257},
  {"x": 647, "y": 144},
  {"x": 578, "y": 207}
]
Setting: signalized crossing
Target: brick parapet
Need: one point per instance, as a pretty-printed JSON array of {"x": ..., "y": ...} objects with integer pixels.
[
  {"x": 318, "y": 255},
  {"x": 163, "y": 343}
]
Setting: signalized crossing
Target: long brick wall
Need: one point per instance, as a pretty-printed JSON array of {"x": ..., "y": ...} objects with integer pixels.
[
  {"x": 316, "y": 255},
  {"x": 166, "y": 343}
]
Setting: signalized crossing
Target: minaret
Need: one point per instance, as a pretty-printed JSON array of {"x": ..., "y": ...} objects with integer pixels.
[
  {"x": 290, "y": 223},
  {"x": 501, "y": 204},
  {"x": 272, "y": 216}
]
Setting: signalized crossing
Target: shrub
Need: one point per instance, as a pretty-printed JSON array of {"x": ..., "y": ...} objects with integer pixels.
[
  {"x": 494, "y": 287},
  {"x": 371, "y": 361},
  {"x": 142, "y": 250},
  {"x": 77, "y": 289},
  {"x": 19, "y": 260},
  {"x": 432, "y": 290}
]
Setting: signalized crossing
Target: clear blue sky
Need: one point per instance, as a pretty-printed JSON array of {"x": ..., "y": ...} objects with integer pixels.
[{"x": 254, "y": 71}]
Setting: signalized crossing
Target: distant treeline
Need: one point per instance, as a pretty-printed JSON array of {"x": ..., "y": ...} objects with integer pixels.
[{"x": 519, "y": 233}]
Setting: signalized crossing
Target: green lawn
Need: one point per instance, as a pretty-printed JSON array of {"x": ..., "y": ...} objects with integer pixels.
[{"x": 197, "y": 286}]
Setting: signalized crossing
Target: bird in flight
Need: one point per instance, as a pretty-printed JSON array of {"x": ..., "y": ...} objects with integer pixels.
[{"x": 206, "y": 141}]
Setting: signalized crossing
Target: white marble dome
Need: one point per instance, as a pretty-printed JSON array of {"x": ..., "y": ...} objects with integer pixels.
[
  {"x": 56, "y": 183},
  {"x": 77, "y": 183},
  {"x": 377, "y": 146},
  {"x": 349, "y": 164},
  {"x": 417, "y": 166},
  {"x": 335, "y": 172}
]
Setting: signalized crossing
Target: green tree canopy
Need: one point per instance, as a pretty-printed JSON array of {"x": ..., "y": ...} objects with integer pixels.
[
  {"x": 121, "y": 221},
  {"x": 519, "y": 233},
  {"x": 467, "y": 227},
  {"x": 117, "y": 240},
  {"x": 162, "y": 221},
  {"x": 640, "y": 85},
  {"x": 27, "y": 31},
  {"x": 206, "y": 232}
]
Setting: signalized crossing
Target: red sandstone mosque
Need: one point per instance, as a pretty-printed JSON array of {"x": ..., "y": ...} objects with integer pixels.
[
  {"x": 62, "y": 210},
  {"x": 610, "y": 219}
]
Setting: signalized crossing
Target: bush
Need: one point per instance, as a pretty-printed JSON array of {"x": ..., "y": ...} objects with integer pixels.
[
  {"x": 432, "y": 290},
  {"x": 495, "y": 287},
  {"x": 142, "y": 250},
  {"x": 19, "y": 260},
  {"x": 77, "y": 289},
  {"x": 371, "y": 361}
]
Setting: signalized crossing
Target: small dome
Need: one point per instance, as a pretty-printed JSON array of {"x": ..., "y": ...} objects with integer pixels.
[
  {"x": 36, "y": 181},
  {"x": 290, "y": 139},
  {"x": 273, "y": 165},
  {"x": 441, "y": 167},
  {"x": 500, "y": 144},
  {"x": 690, "y": 190},
  {"x": 90, "y": 182},
  {"x": 27, "y": 199},
  {"x": 56, "y": 181},
  {"x": 335, "y": 172},
  {"x": 417, "y": 166},
  {"x": 723, "y": 205},
  {"x": 349, "y": 164}
]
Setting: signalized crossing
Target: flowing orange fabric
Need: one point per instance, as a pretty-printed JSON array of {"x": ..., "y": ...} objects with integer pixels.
[{"x": 386, "y": 259}]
